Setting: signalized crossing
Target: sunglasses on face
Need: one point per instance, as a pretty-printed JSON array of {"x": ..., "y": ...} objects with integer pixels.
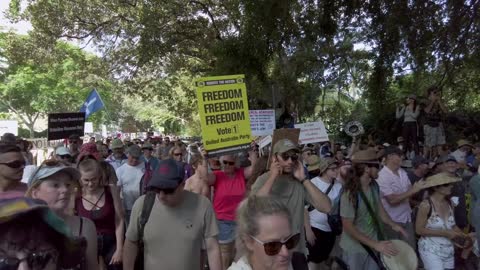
[
  {"x": 64, "y": 156},
  {"x": 167, "y": 191},
  {"x": 286, "y": 156},
  {"x": 35, "y": 261},
  {"x": 274, "y": 247},
  {"x": 445, "y": 185},
  {"x": 72, "y": 142},
  {"x": 231, "y": 163},
  {"x": 178, "y": 154},
  {"x": 14, "y": 164}
]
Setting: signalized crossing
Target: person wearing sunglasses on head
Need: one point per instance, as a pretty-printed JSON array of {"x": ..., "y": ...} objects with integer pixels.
[
  {"x": 363, "y": 216},
  {"x": 178, "y": 225},
  {"x": 12, "y": 164},
  {"x": 396, "y": 191},
  {"x": 32, "y": 237},
  {"x": 54, "y": 183},
  {"x": 435, "y": 223},
  {"x": 287, "y": 179},
  {"x": 229, "y": 184},
  {"x": 265, "y": 237}
]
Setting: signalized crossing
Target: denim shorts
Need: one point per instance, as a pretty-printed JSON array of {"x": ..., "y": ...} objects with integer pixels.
[{"x": 227, "y": 231}]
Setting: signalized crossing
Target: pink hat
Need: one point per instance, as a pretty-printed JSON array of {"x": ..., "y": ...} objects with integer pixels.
[{"x": 89, "y": 149}]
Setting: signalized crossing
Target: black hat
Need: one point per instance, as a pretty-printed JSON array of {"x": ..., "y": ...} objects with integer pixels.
[
  {"x": 419, "y": 160},
  {"x": 392, "y": 149},
  {"x": 170, "y": 174}
]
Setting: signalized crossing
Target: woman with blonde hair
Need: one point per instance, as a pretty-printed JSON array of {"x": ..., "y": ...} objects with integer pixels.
[
  {"x": 54, "y": 183},
  {"x": 265, "y": 239}
]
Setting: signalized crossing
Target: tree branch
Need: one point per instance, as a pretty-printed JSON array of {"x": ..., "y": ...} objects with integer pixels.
[{"x": 210, "y": 15}]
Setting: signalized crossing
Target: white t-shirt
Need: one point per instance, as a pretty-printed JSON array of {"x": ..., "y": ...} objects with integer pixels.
[
  {"x": 317, "y": 219},
  {"x": 129, "y": 178}
]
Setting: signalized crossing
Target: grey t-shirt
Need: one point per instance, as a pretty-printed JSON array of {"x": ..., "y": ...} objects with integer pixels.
[
  {"x": 292, "y": 193},
  {"x": 361, "y": 219}
]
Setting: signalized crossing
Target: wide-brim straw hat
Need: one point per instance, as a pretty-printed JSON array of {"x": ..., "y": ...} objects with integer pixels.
[
  {"x": 368, "y": 156},
  {"x": 461, "y": 143},
  {"x": 440, "y": 179},
  {"x": 406, "y": 259}
]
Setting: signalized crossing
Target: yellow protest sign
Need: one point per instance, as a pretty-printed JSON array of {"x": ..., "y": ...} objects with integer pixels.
[{"x": 224, "y": 117}]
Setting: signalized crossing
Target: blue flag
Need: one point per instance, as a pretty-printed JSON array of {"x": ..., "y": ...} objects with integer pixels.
[{"x": 92, "y": 104}]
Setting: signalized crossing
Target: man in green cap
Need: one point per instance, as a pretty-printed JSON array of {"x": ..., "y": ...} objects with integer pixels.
[{"x": 288, "y": 181}]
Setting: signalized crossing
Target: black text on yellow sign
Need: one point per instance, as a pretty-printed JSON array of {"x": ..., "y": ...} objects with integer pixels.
[{"x": 223, "y": 109}]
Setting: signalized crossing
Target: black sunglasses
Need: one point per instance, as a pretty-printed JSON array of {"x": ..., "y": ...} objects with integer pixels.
[
  {"x": 231, "y": 163},
  {"x": 286, "y": 156},
  {"x": 36, "y": 260},
  {"x": 178, "y": 154},
  {"x": 274, "y": 247},
  {"x": 65, "y": 156},
  {"x": 14, "y": 164},
  {"x": 165, "y": 190}
]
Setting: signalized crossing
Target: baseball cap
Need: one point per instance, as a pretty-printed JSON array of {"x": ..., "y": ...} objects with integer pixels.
[
  {"x": 284, "y": 145},
  {"x": 134, "y": 151},
  {"x": 148, "y": 146},
  {"x": 61, "y": 151},
  {"x": 392, "y": 149},
  {"x": 169, "y": 175},
  {"x": 116, "y": 143},
  {"x": 325, "y": 163},
  {"x": 412, "y": 96},
  {"x": 419, "y": 160},
  {"x": 444, "y": 159},
  {"x": 12, "y": 210},
  {"x": 49, "y": 168}
]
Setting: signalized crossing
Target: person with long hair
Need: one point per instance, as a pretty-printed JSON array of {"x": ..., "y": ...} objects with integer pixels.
[
  {"x": 265, "y": 237},
  {"x": 54, "y": 183},
  {"x": 409, "y": 112},
  {"x": 101, "y": 203},
  {"x": 363, "y": 216},
  {"x": 436, "y": 226}
]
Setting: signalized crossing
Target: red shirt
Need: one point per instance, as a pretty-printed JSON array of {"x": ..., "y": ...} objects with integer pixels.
[{"x": 229, "y": 192}]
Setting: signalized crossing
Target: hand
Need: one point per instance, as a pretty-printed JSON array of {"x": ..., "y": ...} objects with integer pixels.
[
  {"x": 299, "y": 171},
  {"x": 399, "y": 229},
  {"x": 386, "y": 248},
  {"x": 117, "y": 257},
  {"x": 419, "y": 185},
  {"x": 310, "y": 236},
  {"x": 275, "y": 168},
  {"x": 451, "y": 234}
]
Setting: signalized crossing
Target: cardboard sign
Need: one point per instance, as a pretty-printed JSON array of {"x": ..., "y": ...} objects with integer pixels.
[
  {"x": 312, "y": 132},
  {"x": 262, "y": 122},
  {"x": 224, "y": 116},
  {"x": 9, "y": 126},
  {"x": 62, "y": 125}
]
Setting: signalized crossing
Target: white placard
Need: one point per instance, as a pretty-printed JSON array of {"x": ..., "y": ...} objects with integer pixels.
[
  {"x": 265, "y": 141},
  {"x": 104, "y": 131},
  {"x": 262, "y": 122},
  {"x": 312, "y": 132},
  {"x": 88, "y": 127},
  {"x": 9, "y": 126}
]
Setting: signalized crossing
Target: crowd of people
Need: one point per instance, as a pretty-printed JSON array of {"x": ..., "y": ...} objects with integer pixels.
[{"x": 165, "y": 204}]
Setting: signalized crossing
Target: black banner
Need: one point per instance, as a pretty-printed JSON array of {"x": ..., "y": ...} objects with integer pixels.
[{"x": 62, "y": 125}]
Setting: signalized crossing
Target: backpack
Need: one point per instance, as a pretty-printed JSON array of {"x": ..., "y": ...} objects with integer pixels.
[{"x": 148, "y": 203}]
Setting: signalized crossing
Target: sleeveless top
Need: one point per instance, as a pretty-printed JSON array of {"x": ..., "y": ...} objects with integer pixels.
[
  {"x": 441, "y": 246},
  {"x": 103, "y": 218}
]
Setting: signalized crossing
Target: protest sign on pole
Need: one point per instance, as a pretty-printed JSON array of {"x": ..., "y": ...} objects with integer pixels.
[
  {"x": 9, "y": 126},
  {"x": 62, "y": 125},
  {"x": 312, "y": 132},
  {"x": 262, "y": 122},
  {"x": 88, "y": 127},
  {"x": 224, "y": 116}
]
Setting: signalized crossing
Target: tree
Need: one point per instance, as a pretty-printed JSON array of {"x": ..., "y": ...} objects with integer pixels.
[{"x": 37, "y": 81}]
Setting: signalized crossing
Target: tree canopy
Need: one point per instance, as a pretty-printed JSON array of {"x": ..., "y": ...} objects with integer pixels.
[{"x": 292, "y": 51}]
